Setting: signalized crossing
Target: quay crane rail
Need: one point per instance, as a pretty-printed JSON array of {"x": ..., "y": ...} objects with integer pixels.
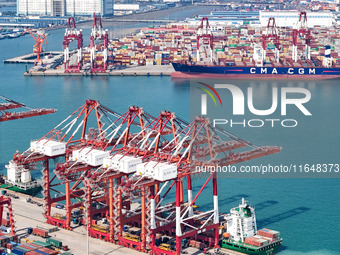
[
  {"x": 8, "y": 104},
  {"x": 135, "y": 159}
]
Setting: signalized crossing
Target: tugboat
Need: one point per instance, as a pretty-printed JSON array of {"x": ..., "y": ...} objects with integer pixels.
[
  {"x": 242, "y": 234},
  {"x": 20, "y": 180}
]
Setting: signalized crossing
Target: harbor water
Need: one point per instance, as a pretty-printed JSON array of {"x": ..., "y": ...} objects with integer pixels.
[{"x": 304, "y": 210}]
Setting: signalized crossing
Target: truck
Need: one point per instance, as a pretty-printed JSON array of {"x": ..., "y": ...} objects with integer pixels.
[
  {"x": 40, "y": 232},
  {"x": 55, "y": 243}
]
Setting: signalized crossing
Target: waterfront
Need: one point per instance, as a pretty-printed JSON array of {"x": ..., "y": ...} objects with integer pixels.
[{"x": 304, "y": 211}]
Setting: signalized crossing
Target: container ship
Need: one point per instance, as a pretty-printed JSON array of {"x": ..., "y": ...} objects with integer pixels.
[
  {"x": 266, "y": 54},
  {"x": 242, "y": 234},
  {"x": 20, "y": 180}
]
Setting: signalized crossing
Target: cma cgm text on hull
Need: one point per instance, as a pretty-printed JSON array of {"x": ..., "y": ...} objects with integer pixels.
[{"x": 244, "y": 72}]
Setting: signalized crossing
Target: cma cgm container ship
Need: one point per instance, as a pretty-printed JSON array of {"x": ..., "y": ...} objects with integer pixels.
[
  {"x": 269, "y": 54},
  {"x": 252, "y": 72}
]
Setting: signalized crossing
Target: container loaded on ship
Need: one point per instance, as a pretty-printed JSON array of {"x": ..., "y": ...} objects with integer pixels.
[
  {"x": 242, "y": 234},
  {"x": 264, "y": 61}
]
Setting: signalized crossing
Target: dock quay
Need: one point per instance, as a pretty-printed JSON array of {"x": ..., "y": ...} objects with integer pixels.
[
  {"x": 49, "y": 56},
  {"x": 147, "y": 70}
]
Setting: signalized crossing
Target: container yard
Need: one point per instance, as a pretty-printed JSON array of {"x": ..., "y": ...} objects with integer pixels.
[{"x": 218, "y": 44}]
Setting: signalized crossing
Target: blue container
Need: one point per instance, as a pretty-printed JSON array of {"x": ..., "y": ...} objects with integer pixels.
[
  {"x": 41, "y": 252},
  {"x": 157, "y": 242},
  {"x": 14, "y": 243},
  {"x": 17, "y": 250}
]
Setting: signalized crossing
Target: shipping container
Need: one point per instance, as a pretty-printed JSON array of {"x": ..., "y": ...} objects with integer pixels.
[
  {"x": 40, "y": 232},
  {"x": 56, "y": 243}
]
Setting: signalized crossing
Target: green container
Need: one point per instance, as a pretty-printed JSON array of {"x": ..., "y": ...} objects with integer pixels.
[
  {"x": 23, "y": 248},
  {"x": 43, "y": 244},
  {"x": 55, "y": 243},
  {"x": 66, "y": 253},
  {"x": 124, "y": 47}
]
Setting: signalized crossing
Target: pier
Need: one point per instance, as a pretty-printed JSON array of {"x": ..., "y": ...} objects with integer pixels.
[
  {"x": 49, "y": 57},
  {"x": 148, "y": 70}
]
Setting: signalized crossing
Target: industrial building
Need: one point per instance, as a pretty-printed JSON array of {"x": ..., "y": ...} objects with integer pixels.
[
  {"x": 219, "y": 19},
  {"x": 290, "y": 18},
  {"x": 64, "y": 7}
]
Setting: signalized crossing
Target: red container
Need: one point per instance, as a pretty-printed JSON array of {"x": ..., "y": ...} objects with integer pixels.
[
  {"x": 49, "y": 251},
  {"x": 5, "y": 222},
  {"x": 33, "y": 253},
  {"x": 192, "y": 243},
  {"x": 250, "y": 240},
  {"x": 198, "y": 244},
  {"x": 27, "y": 247},
  {"x": 40, "y": 232},
  {"x": 35, "y": 245},
  {"x": 9, "y": 246}
]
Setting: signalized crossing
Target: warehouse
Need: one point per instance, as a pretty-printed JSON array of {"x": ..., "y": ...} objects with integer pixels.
[{"x": 290, "y": 18}]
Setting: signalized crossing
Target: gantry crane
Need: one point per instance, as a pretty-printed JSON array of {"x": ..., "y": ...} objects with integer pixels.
[
  {"x": 6, "y": 201},
  {"x": 9, "y": 104},
  {"x": 98, "y": 33},
  {"x": 204, "y": 40},
  {"x": 271, "y": 35},
  {"x": 39, "y": 38},
  {"x": 124, "y": 170},
  {"x": 301, "y": 29},
  {"x": 71, "y": 34}
]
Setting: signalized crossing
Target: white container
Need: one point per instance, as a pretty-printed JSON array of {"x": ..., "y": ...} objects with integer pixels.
[
  {"x": 90, "y": 156},
  {"x": 96, "y": 157},
  {"x": 148, "y": 168},
  {"x": 129, "y": 164},
  {"x": 53, "y": 148},
  {"x": 165, "y": 172},
  {"x": 80, "y": 155},
  {"x": 49, "y": 148}
]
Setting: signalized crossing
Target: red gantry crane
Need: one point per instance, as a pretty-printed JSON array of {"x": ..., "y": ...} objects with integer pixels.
[
  {"x": 9, "y": 104},
  {"x": 271, "y": 35},
  {"x": 6, "y": 201},
  {"x": 204, "y": 40},
  {"x": 129, "y": 175},
  {"x": 98, "y": 33},
  {"x": 71, "y": 34},
  {"x": 301, "y": 29},
  {"x": 40, "y": 38}
]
